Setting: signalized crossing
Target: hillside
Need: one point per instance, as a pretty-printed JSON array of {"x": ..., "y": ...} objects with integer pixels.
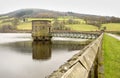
[
  {"x": 45, "y": 13},
  {"x": 33, "y": 13},
  {"x": 21, "y": 20}
]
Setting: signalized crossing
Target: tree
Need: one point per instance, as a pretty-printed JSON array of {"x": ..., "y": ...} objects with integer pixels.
[
  {"x": 15, "y": 22},
  {"x": 70, "y": 21},
  {"x": 103, "y": 28},
  {"x": 59, "y": 25},
  {"x": 6, "y": 28},
  {"x": 55, "y": 25}
]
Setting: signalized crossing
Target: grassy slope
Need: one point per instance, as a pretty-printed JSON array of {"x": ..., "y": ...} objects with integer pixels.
[
  {"x": 112, "y": 26},
  {"x": 25, "y": 26},
  {"x": 111, "y": 47},
  {"x": 30, "y": 19},
  {"x": 5, "y": 23},
  {"x": 82, "y": 27},
  {"x": 28, "y": 26},
  {"x": 3, "y": 16},
  {"x": 79, "y": 27}
]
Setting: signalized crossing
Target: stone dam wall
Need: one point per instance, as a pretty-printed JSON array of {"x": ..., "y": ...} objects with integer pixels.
[{"x": 85, "y": 64}]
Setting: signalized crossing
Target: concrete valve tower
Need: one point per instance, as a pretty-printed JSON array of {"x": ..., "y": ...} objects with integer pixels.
[{"x": 41, "y": 30}]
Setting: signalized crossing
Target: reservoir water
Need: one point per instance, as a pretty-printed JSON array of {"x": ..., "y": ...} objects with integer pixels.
[{"x": 20, "y": 57}]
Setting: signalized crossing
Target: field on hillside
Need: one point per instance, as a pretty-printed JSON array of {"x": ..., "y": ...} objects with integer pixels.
[
  {"x": 30, "y": 19},
  {"x": 25, "y": 26},
  {"x": 68, "y": 18},
  {"x": 82, "y": 27},
  {"x": 28, "y": 26},
  {"x": 76, "y": 27},
  {"x": 112, "y": 26},
  {"x": 5, "y": 20},
  {"x": 3, "y": 17},
  {"x": 111, "y": 49}
]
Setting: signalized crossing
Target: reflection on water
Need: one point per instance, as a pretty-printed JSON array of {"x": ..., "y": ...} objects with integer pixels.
[
  {"x": 41, "y": 50},
  {"x": 70, "y": 46},
  {"x": 28, "y": 59}
]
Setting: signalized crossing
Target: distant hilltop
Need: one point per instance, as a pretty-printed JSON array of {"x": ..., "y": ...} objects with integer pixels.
[{"x": 48, "y": 14}]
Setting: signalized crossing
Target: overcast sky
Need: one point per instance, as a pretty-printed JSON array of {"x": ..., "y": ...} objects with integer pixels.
[{"x": 96, "y": 7}]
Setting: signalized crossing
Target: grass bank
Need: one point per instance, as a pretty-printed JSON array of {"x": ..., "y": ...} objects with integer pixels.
[
  {"x": 25, "y": 26},
  {"x": 111, "y": 48},
  {"x": 112, "y": 26}
]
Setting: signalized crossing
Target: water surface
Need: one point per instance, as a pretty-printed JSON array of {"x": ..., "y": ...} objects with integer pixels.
[{"x": 20, "y": 57}]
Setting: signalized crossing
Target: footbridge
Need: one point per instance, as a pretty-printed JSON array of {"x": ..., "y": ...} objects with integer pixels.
[
  {"x": 76, "y": 34},
  {"x": 41, "y": 30}
]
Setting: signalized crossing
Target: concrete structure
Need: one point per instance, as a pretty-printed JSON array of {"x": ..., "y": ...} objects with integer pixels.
[
  {"x": 41, "y": 30},
  {"x": 86, "y": 64}
]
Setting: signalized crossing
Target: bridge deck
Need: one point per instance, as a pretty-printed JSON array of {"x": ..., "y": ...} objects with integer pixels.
[{"x": 75, "y": 34}]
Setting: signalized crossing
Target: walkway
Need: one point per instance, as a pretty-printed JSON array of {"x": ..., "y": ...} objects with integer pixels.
[{"x": 115, "y": 36}]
